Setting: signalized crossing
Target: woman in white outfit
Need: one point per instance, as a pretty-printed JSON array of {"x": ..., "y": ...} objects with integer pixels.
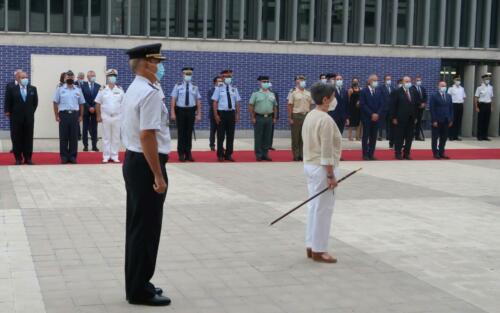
[
  {"x": 109, "y": 102},
  {"x": 322, "y": 147}
]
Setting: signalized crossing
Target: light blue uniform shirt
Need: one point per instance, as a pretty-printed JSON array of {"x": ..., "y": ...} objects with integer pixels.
[
  {"x": 220, "y": 95},
  {"x": 179, "y": 93},
  {"x": 69, "y": 98}
]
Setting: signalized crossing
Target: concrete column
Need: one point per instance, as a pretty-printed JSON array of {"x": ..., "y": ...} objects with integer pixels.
[
  {"x": 469, "y": 86},
  {"x": 394, "y": 22},
  {"x": 480, "y": 70},
  {"x": 487, "y": 23},
  {"x": 361, "y": 25},
  {"x": 259, "y": 20},
  {"x": 456, "y": 34},
  {"x": 472, "y": 23},
  {"x": 277, "y": 20},
  {"x": 427, "y": 21},
  {"x": 378, "y": 21},
  {"x": 328, "y": 26},
  {"x": 345, "y": 20},
  {"x": 312, "y": 11},
  {"x": 409, "y": 22},
  {"x": 442, "y": 22},
  {"x": 495, "y": 115},
  {"x": 295, "y": 10}
]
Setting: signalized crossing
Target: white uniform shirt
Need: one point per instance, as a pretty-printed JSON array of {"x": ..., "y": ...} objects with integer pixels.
[
  {"x": 144, "y": 109},
  {"x": 484, "y": 93},
  {"x": 110, "y": 100},
  {"x": 457, "y": 94}
]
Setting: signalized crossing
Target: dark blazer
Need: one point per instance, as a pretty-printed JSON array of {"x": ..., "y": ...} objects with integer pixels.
[
  {"x": 422, "y": 95},
  {"x": 370, "y": 104},
  {"x": 341, "y": 111},
  {"x": 401, "y": 108},
  {"x": 18, "y": 108},
  {"x": 386, "y": 97},
  {"x": 89, "y": 95},
  {"x": 210, "y": 101},
  {"x": 441, "y": 110},
  {"x": 7, "y": 95}
]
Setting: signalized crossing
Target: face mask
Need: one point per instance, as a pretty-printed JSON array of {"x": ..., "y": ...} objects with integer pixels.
[
  {"x": 487, "y": 82},
  {"x": 25, "y": 81},
  {"x": 443, "y": 89},
  {"x": 388, "y": 82},
  {"x": 160, "y": 71},
  {"x": 188, "y": 78},
  {"x": 228, "y": 80},
  {"x": 112, "y": 79},
  {"x": 374, "y": 84},
  {"x": 339, "y": 83},
  {"x": 270, "y": 84},
  {"x": 70, "y": 81},
  {"x": 457, "y": 82},
  {"x": 265, "y": 85},
  {"x": 419, "y": 83},
  {"x": 332, "y": 105},
  {"x": 302, "y": 84},
  {"x": 324, "y": 80},
  {"x": 355, "y": 84},
  {"x": 407, "y": 85},
  {"x": 92, "y": 79}
]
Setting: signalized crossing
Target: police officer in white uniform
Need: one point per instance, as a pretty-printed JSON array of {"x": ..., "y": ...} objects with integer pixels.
[
  {"x": 109, "y": 102},
  {"x": 458, "y": 96},
  {"x": 482, "y": 102},
  {"x": 185, "y": 107},
  {"x": 146, "y": 138}
]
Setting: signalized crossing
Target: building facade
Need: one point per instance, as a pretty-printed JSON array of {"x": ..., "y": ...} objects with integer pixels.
[{"x": 279, "y": 38}]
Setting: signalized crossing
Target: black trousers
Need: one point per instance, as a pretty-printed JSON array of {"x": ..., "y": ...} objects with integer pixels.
[
  {"x": 383, "y": 125},
  {"x": 89, "y": 126},
  {"x": 185, "y": 123},
  {"x": 403, "y": 136},
  {"x": 213, "y": 128},
  {"x": 483, "y": 120},
  {"x": 369, "y": 139},
  {"x": 272, "y": 136},
  {"x": 340, "y": 124},
  {"x": 143, "y": 224},
  {"x": 225, "y": 131},
  {"x": 418, "y": 126},
  {"x": 68, "y": 134},
  {"x": 22, "y": 137},
  {"x": 458, "y": 112},
  {"x": 439, "y": 137}
]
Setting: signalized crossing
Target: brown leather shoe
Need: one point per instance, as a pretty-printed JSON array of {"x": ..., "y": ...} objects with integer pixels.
[
  {"x": 323, "y": 257},
  {"x": 309, "y": 252}
]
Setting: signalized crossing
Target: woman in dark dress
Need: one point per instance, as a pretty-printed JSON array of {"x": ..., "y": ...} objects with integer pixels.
[{"x": 354, "y": 111}]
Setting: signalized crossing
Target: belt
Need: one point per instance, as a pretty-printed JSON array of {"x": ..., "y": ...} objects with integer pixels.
[
  {"x": 458, "y": 103},
  {"x": 265, "y": 115},
  {"x": 185, "y": 108},
  {"x": 225, "y": 111},
  {"x": 68, "y": 111}
]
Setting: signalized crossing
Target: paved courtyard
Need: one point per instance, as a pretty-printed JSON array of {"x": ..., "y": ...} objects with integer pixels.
[{"x": 411, "y": 237}]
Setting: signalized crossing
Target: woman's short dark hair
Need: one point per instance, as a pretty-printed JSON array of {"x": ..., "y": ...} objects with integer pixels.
[{"x": 320, "y": 90}]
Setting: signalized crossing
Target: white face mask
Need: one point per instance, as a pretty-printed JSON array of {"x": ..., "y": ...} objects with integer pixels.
[
  {"x": 457, "y": 83},
  {"x": 487, "y": 81},
  {"x": 333, "y": 104},
  {"x": 324, "y": 80}
]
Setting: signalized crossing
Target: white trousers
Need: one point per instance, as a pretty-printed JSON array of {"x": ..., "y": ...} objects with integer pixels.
[
  {"x": 320, "y": 209},
  {"x": 110, "y": 137}
]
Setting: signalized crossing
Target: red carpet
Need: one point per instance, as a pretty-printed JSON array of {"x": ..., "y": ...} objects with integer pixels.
[{"x": 47, "y": 158}]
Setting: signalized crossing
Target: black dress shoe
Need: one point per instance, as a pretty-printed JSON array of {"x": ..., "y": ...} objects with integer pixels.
[
  {"x": 85, "y": 149},
  {"x": 480, "y": 139},
  {"x": 437, "y": 157},
  {"x": 182, "y": 158},
  {"x": 29, "y": 162},
  {"x": 458, "y": 139},
  {"x": 220, "y": 159},
  {"x": 258, "y": 159},
  {"x": 295, "y": 159},
  {"x": 487, "y": 139},
  {"x": 366, "y": 158},
  {"x": 212, "y": 148},
  {"x": 18, "y": 162},
  {"x": 407, "y": 157},
  {"x": 229, "y": 158},
  {"x": 272, "y": 149},
  {"x": 443, "y": 156},
  {"x": 64, "y": 161},
  {"x": 266, "y": 158},
  {"x": 372, "y": 158},
  {"x": 301, "y": 159},
  {"x": 156, "y": 300},
  {"x": 95, "y": 149},
  {"x": 399, "y": 157},
  {"x": 189, "y": 158},
  {"x": 159, "y": 291},
  {"x": 73, "y": 161}
]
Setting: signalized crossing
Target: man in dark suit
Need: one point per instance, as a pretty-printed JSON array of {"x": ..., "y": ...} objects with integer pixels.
[
  {"x": 90, "y": 89},
  {"x": 403, "y": 112},
  {"x": 20, "y": 107},
  {"x": 385, "y": 123},
  {"x": 422, "y": 101},
  {"x": 8, "y": 90},
  {"x": 217, "y": 81},
  {"x": 370, "y": 103},
  {"x": 340, "y": 114},
  {"x": 441, "y": 108}
]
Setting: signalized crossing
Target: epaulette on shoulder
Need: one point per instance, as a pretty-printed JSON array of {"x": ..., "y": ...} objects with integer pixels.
[
  {"x": 153, "y": 86},
  {"x": 119, "y": 86}
]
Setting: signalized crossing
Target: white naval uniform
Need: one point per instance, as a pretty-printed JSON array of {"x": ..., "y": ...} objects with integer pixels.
[{"x": 111, "y": 107}]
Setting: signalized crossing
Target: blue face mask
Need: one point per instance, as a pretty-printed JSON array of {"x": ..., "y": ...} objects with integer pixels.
[
  {"x": 112, "y": 79},
  {"x": 228, "y": 80},
  {"x": 443, "y": 89},
  {"x": 265, "y": 85},
  {"x": 160, "y": 71},
  {"x": 188, "y": 78},
  {"x": 92, "y": 79},
  {"x": 25, "y": 82}
]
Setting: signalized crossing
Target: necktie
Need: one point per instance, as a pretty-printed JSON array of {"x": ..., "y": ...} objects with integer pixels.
[
  {"x": 186, "y": 102},
  {"x": 338, "y": 92},
  {"x": 408, "y": 95},
  {"x": 229, "y": 102},
  {"x": 442, "y": 96},
  {"x": 371, "y": 91},
  {"x": 23, "y": 94},
  {"x": 419, "y": 91}
]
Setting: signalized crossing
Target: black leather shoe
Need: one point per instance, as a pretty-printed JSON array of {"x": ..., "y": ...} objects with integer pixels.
[
  {"x": 18, "y": 162},
  {"x": 272, "y": 149},
  {"x": 399, "y": 157},
  {"x": 212, "y": 148},
  {"x": 373, "y": 158},
  {"x": 190, "y": 158},
  {"x": 258, "y": 159},
  {"x": 266, "y": 158},
  {"x": 220, "y": 159},
  {"x": 64, "y": 161},
  {"x": 95, "y": 149},
  {"x": 301, "y": 159},
  {"x": 182, "y": 158},
  {"x": 366, "y": 158},
  {"x": 29, "y": 162},
  {"x": 72, "y": 161},
  {"x": 458, "y": 139},
  {"x": 156, "y": 300},
  {"x": 229, "y": 158},
  {"x": 445, "y": 157},
  {"x": 407, "y": 157},
  {"x": 85, "y": 149},
  {"x": 487, "y": 139},
  {"x": 159, "y": 291},
  {"x": 437, "y": 157}
]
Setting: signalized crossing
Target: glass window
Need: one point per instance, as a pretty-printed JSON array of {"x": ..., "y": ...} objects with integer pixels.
[
  {"x": 38, "y": 15},
  {"x": 176, "y": 18},
  {"x": 17, "y": 15},
  {"x": 337, "y": 18},
  {"x": 449, "y": 27},
  {"x": 465, "y": 23},
  {"x": 286, "y": 12},
  {"x": 370, "y": 12},
  {"x": 79, "y": 17},
  {"x": 58, "y": 11},
  {"x": 402, "y": 18},
  {"x": 434, "y": 23},
  {"x": 251, "y": 17},
  {"x": 233, "y": 14},
  {"x": 195, "y": 26},
  {"x": 386, "y": 27},
  {"x": 303, "y": 22},
  {"x": 99, "y": 11},
  {"x": 495, "y": 25},
  {"x": 214, "y": 25},
  {"x": 269, "y": 19},
  {"x": 480, "y": 15},
  {"x": 354, "y": 21},
  {"x": 419, "y": 20},
  {"x": 138, "y": 18},
  {"x": 320, "y": 19},
  {"x": 158, "y": 23},
  {"x": 118, "y": 17},
  {"x": 2, "y": 15}
]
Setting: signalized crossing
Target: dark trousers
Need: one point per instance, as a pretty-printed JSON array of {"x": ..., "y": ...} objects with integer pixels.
[
  {"x": 262, "y": 135},
  {"x": 272, "y": 136},
  {"x": 389, "y": 129},
  {"x": 418, "y": 126},
  {"x": 185, "y": 124},
  {"x": 483, "y": 120},
  {"x": 22, "y": 137},
  {"x": 458, "y": 111},
  {"x": 340, "y": 124},
  {"x": 89, "y": 126},
  {"x": 369, "y": 139},
  {"x": 439, "y": 137},
  {"x": 382, "y": 125},
  {"x": 213, "y": 129},
  {"x": 403, "y": 136},
  {"x": 68, "y": 134},
  {"x": 143, "y": 224},
  {"x": 225, "y": 131}
]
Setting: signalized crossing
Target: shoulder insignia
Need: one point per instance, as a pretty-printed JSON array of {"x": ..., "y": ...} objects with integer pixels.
[{"x": 153, "y": 86}]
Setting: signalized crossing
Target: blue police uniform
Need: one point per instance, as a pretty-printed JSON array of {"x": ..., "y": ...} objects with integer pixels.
[
  {"x": 227, "y": 97},
  {"x": 370, "y": 102},
  {"x": 68, "y": 100},
  {"x": 384, "y": 121},
  {"x": 441, "y": 108}
]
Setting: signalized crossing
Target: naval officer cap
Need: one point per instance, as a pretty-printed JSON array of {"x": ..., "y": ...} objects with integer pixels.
[
  {"x": 486, "y": 75},
  {"x": 262, "y": 77},
  {"x": 187, "y": 70},
  {"x": 227, "y": 72},
  {"x": 145, "y": 52},
  {"x": 112, "y": 72},
  {"x": 300, "y": 76}
]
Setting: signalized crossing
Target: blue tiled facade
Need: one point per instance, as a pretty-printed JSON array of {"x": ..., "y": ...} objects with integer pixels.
[{"x": 246, "y": 66}]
